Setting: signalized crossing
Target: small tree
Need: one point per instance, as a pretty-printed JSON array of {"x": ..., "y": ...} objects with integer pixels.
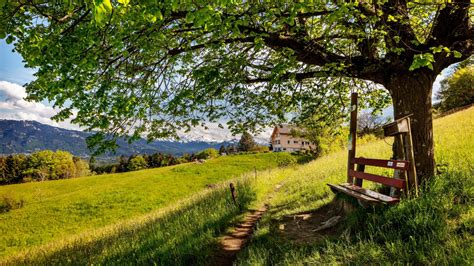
[
  {"x": 230, "y": 149},
  {"x": 137, "y": 163},
  {"x": 82, "y": 167},
  {"x": 246, "y": 142},
  {"x": 207, "y": 154},
  {"x": 368, "y": 123},
  {"x": 222, "y": 149},
  {"x": 457, "y": 90}
]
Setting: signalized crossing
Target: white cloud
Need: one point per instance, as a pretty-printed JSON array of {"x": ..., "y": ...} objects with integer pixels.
[
  {"x": 214, "y": 133},
  {"x": 12, "y": 91},
  {"x": 13, "y": 106}
]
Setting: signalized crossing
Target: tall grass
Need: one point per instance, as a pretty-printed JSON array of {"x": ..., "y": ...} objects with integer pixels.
[
  {"x": 180, "y": 234},
  {"x": 436, "y": 228},
  {"x": 56, "y": 210}
]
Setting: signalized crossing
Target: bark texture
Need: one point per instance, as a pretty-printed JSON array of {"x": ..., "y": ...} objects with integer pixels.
[{"x": 411, "y": 95}]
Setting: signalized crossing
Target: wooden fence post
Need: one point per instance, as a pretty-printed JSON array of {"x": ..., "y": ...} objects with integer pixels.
[
  {"x": 352, "y": 136},
  {"x": 233, "y": 193}
]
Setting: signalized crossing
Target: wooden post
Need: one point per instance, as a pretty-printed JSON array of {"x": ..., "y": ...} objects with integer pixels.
[
  {"x": 360, "y": 168},
  {"x": 352, "y": 136},
  {"x": 233, "y": 193},
  {"x": 411, "y": 173},
  {"x": 399, "y": 154}
]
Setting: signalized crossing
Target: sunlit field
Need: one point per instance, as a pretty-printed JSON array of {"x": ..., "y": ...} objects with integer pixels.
[
  {"x": 56, "y": 210},
  {"x": 435, "y": 228}
]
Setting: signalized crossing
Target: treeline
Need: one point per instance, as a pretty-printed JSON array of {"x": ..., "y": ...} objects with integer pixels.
[
  {"x": 50, "y": 165},
  {"x": 41, "y": 166},
  {"x": 145, "y": 161},
  {"x": 138, "y": 162}
]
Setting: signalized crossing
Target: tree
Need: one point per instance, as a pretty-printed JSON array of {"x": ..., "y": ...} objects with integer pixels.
[
  {"x": 457, "y": 90},
  {"x": 208, "y": 153},
  {"x": 231, "y": 149},
  {"x": 222, "y": 149},
  {"x": 136, "y": 163},
  {"x": 246, "y": 142},
  {"x": 49, "y": 165},
  {"x": 13, "y": 167},
  {"x": 134, "y": 67},
  {"x": 82, "y": 167},
  {"x": 369, "y": 123}
]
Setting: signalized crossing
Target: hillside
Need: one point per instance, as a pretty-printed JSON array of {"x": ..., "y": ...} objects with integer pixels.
[
  {"x": 435, "y": 228},
  {"x": 58, "y": 209},
  {"x": 31, "y": 136}
]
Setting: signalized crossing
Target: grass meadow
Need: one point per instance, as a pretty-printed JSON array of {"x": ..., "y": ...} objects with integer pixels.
[
  {"x": 436, "y": 228},
  {"x": 56, "y": 211}
]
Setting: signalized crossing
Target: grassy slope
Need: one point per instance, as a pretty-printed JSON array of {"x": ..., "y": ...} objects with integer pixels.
[
  {"x": 55, "y": 210},
  {"x": 435, "y": 228}
]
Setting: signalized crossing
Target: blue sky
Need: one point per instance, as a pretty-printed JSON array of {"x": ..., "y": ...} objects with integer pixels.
[{"x": 13, "y": 75}]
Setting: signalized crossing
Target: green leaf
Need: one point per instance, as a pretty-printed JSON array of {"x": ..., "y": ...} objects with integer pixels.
[
  {"x": 457, "y": 54},
  {"x": 10, "y": 39},
  {"x": 124, "y": 2},
  {"x": 101, "y": 9},
  {"x": 422, "y": 60}
]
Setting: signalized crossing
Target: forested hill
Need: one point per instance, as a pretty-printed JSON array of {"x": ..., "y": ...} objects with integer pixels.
[{"x": 31, "y": 136}]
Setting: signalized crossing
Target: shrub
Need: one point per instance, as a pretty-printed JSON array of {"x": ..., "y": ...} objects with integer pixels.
[
  {"x": 457, "y": 90},
  {"x": 207, "y": 154},
  {"x": 137, "y": 163},
  {"x": 286, "y": 160},
  {"x": 260, "y": 148},
  {"x": 10, "y": 203}
]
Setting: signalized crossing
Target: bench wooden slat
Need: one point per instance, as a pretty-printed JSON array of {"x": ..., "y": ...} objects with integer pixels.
[
  {"x": 354, "y": 194},
  {"x": 393, "y": 164},
  {"x": 393, "y": 182},
  {"x": 371, "y": 193}
]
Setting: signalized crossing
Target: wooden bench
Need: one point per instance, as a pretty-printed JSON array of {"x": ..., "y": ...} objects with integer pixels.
[
  {"x": 355, "y": 189},
  {"x": 404, "y": 166}
]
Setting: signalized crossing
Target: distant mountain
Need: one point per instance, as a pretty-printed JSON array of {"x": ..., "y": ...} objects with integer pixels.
[{"x": 30, "y": 136}]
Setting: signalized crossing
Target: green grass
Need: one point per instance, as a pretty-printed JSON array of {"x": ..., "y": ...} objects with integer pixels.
[
  {"x": 436, "y": 228},
  {"x": 55, "y": 211}
]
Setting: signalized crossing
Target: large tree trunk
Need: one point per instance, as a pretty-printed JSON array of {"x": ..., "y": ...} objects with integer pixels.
[{"x": 411, "y": 94}]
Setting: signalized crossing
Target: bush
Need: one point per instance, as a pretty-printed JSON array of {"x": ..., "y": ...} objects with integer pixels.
[
  {"x": 207, "y": 154},
  {"x": 9, "y": 203},
  {"x": 286, "y": 160},
  {"x": 137, "y": 163},
  {"x": 260, "y": 148},
  {"x": 457, "y": 90}
]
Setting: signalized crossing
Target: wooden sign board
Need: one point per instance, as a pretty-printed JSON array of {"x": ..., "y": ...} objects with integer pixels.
[{"x": 398, "y": 127}]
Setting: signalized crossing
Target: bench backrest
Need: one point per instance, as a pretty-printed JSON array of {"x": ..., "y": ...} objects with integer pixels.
[{"x": 393, "y": 164}]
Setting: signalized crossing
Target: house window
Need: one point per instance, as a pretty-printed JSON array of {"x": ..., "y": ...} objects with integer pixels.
[
  {"x": 288, "y": 142},
  {"x": 295, "y": 142},
  {"x": 284, "y": 149},
  {"x": 278, "y": 141}
]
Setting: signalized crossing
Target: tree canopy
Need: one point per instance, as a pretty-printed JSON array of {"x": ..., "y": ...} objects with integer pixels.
[
  {"x": 457, "y": 90},
  {"x": 246, "y": 142},
  {"x": 156, "y": 67}
]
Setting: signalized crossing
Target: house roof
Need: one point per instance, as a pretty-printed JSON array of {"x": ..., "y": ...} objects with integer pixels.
[{"x": 282, "y": 129}]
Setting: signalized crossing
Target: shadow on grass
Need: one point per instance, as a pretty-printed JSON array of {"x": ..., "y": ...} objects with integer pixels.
[{"x": 435, "y": 228}]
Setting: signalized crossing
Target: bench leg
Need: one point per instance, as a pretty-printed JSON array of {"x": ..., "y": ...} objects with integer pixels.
[{"x": 360, "y": 168}]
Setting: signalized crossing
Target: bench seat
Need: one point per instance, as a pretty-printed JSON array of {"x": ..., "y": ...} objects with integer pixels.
[{"x": 363, "y": 194}]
